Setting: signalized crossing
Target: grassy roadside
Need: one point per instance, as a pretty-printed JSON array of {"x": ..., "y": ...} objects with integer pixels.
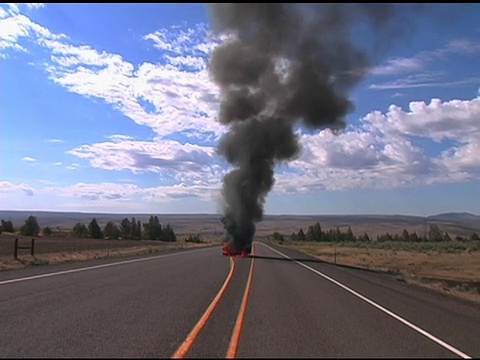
[
  {"x": 8, "y": 263},
  {"x": 449, "y": 268}
]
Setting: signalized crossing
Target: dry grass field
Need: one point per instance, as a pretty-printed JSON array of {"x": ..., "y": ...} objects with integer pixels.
[{"x": 49, "y": 250}]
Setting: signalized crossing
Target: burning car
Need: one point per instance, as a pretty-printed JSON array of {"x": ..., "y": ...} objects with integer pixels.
[{"x": 229, "y": 249}]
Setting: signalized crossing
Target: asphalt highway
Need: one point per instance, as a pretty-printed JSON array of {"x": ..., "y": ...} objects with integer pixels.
[{"x": 201, "y": 304}]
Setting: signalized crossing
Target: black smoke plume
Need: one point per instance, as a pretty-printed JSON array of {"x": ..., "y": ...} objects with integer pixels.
[{"x": 283, "y": 64}]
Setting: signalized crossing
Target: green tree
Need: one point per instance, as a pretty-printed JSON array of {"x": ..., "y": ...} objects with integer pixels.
[
  {"x": 168, "y": 234},
  {"x": 384, "y": 237},
  {"x": 446, "y": 237},
  {"x": 301, "y": 235},
  {"x": 434, "y": 233},
  {"x": 310, "y": 236},
  {"x": 7, "y": 226},
  {"x": 138, "y": 234},
  {"x": 153, "y": 229},
  {"x": 80, "y": 230},
  {"x": 337, "y": 235},
  {"x": 133, "y": 228},
  {"x": 47, "y": 231},
  {"x": 317, "y": 229},
  {"x": 414, "y": 237},
  {"x": 111, "y": 230},
  {"x": 365, "y": 238},
  {"x": 328, "y": 236},
  {"x": 315, "y": 233},
  {"x": 94, "y": 230},
  {"x": 277, "y": 236},
  {"x": 136, "y": 229},
  {"x": 194, "y": 239},
  {"x": 349, "y": 235},
  {"x": 125, "y": 228},
  {"x": 31, "y": 227}
]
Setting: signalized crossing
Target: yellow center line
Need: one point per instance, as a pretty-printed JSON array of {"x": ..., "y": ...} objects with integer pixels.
[
  {"x": 232, "y": 348},
  {"x": 185, "y": 346}
]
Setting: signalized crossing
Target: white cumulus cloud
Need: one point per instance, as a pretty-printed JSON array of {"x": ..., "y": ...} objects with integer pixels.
[{"x": 29, "y": 159}]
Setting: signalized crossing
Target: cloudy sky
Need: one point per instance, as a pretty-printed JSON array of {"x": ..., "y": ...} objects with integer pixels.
[{"x": 110, "y": 108}]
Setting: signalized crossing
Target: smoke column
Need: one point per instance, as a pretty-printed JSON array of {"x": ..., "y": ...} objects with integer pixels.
[{"x": 283, "y": 64}]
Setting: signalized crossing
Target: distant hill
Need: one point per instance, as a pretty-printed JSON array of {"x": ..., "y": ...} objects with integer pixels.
[
  {"x": 463, "y": 224},
  {"x": 455, "y": 216}
]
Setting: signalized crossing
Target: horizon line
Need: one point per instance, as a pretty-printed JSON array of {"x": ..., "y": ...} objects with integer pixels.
[{"x": 219, "y": 214}]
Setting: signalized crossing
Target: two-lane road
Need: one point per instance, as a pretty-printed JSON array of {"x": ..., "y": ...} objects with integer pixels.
[{"x": 198, "y": 303}]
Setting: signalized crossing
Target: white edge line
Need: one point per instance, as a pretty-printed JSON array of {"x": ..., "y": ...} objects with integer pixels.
[
  {"x": 95, "y": 267},
  {"x": 388, "y": 312}
]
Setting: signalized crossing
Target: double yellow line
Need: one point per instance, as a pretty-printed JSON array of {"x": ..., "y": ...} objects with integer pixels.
[{"x": 234, "y": 340}]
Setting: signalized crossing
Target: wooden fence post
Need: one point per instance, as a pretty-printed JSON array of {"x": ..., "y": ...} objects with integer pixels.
[
  {"x": 31, "y": 247},
  {"x": 15, "y": 251}
]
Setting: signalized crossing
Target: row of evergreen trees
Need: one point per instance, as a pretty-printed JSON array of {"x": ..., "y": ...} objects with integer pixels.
[
  {"x": 29, "y": 228},
  {"x": 316, "y": 233},
  {"x": 153, "y": 230},
  {"x": 128, "y": 229}
]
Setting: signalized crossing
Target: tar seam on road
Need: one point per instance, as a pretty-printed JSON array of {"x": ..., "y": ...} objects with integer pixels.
[
  {"x": 386, "y": 311},
  {"x": 232, "y": 348},
  {"x": 185, "y": 346}
]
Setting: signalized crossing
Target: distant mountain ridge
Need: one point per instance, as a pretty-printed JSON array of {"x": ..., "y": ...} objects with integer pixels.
[
  {"x": 455, "y": 223},
  {"x": 455, "y": 216},
  {"x": 63, "y": 216}
]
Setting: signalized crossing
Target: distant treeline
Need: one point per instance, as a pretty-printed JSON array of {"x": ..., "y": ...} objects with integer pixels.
[
  {"x": 133, "y": 229},
  {"x": 316, "y": 233},
  {"x": 127, "y": 229}
]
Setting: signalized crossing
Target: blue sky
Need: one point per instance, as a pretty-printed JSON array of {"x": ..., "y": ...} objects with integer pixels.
[{"x": 110, "y": 108}]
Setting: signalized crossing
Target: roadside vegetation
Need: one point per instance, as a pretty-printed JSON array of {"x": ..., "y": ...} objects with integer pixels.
[
  {"x": 89, "y": 241},
  {"x": 128, "y": 229},
  {"x": 434, "y": 259}
]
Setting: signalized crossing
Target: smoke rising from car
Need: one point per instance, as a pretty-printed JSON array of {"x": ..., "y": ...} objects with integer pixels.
[{"x": 281, "y": 65}]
